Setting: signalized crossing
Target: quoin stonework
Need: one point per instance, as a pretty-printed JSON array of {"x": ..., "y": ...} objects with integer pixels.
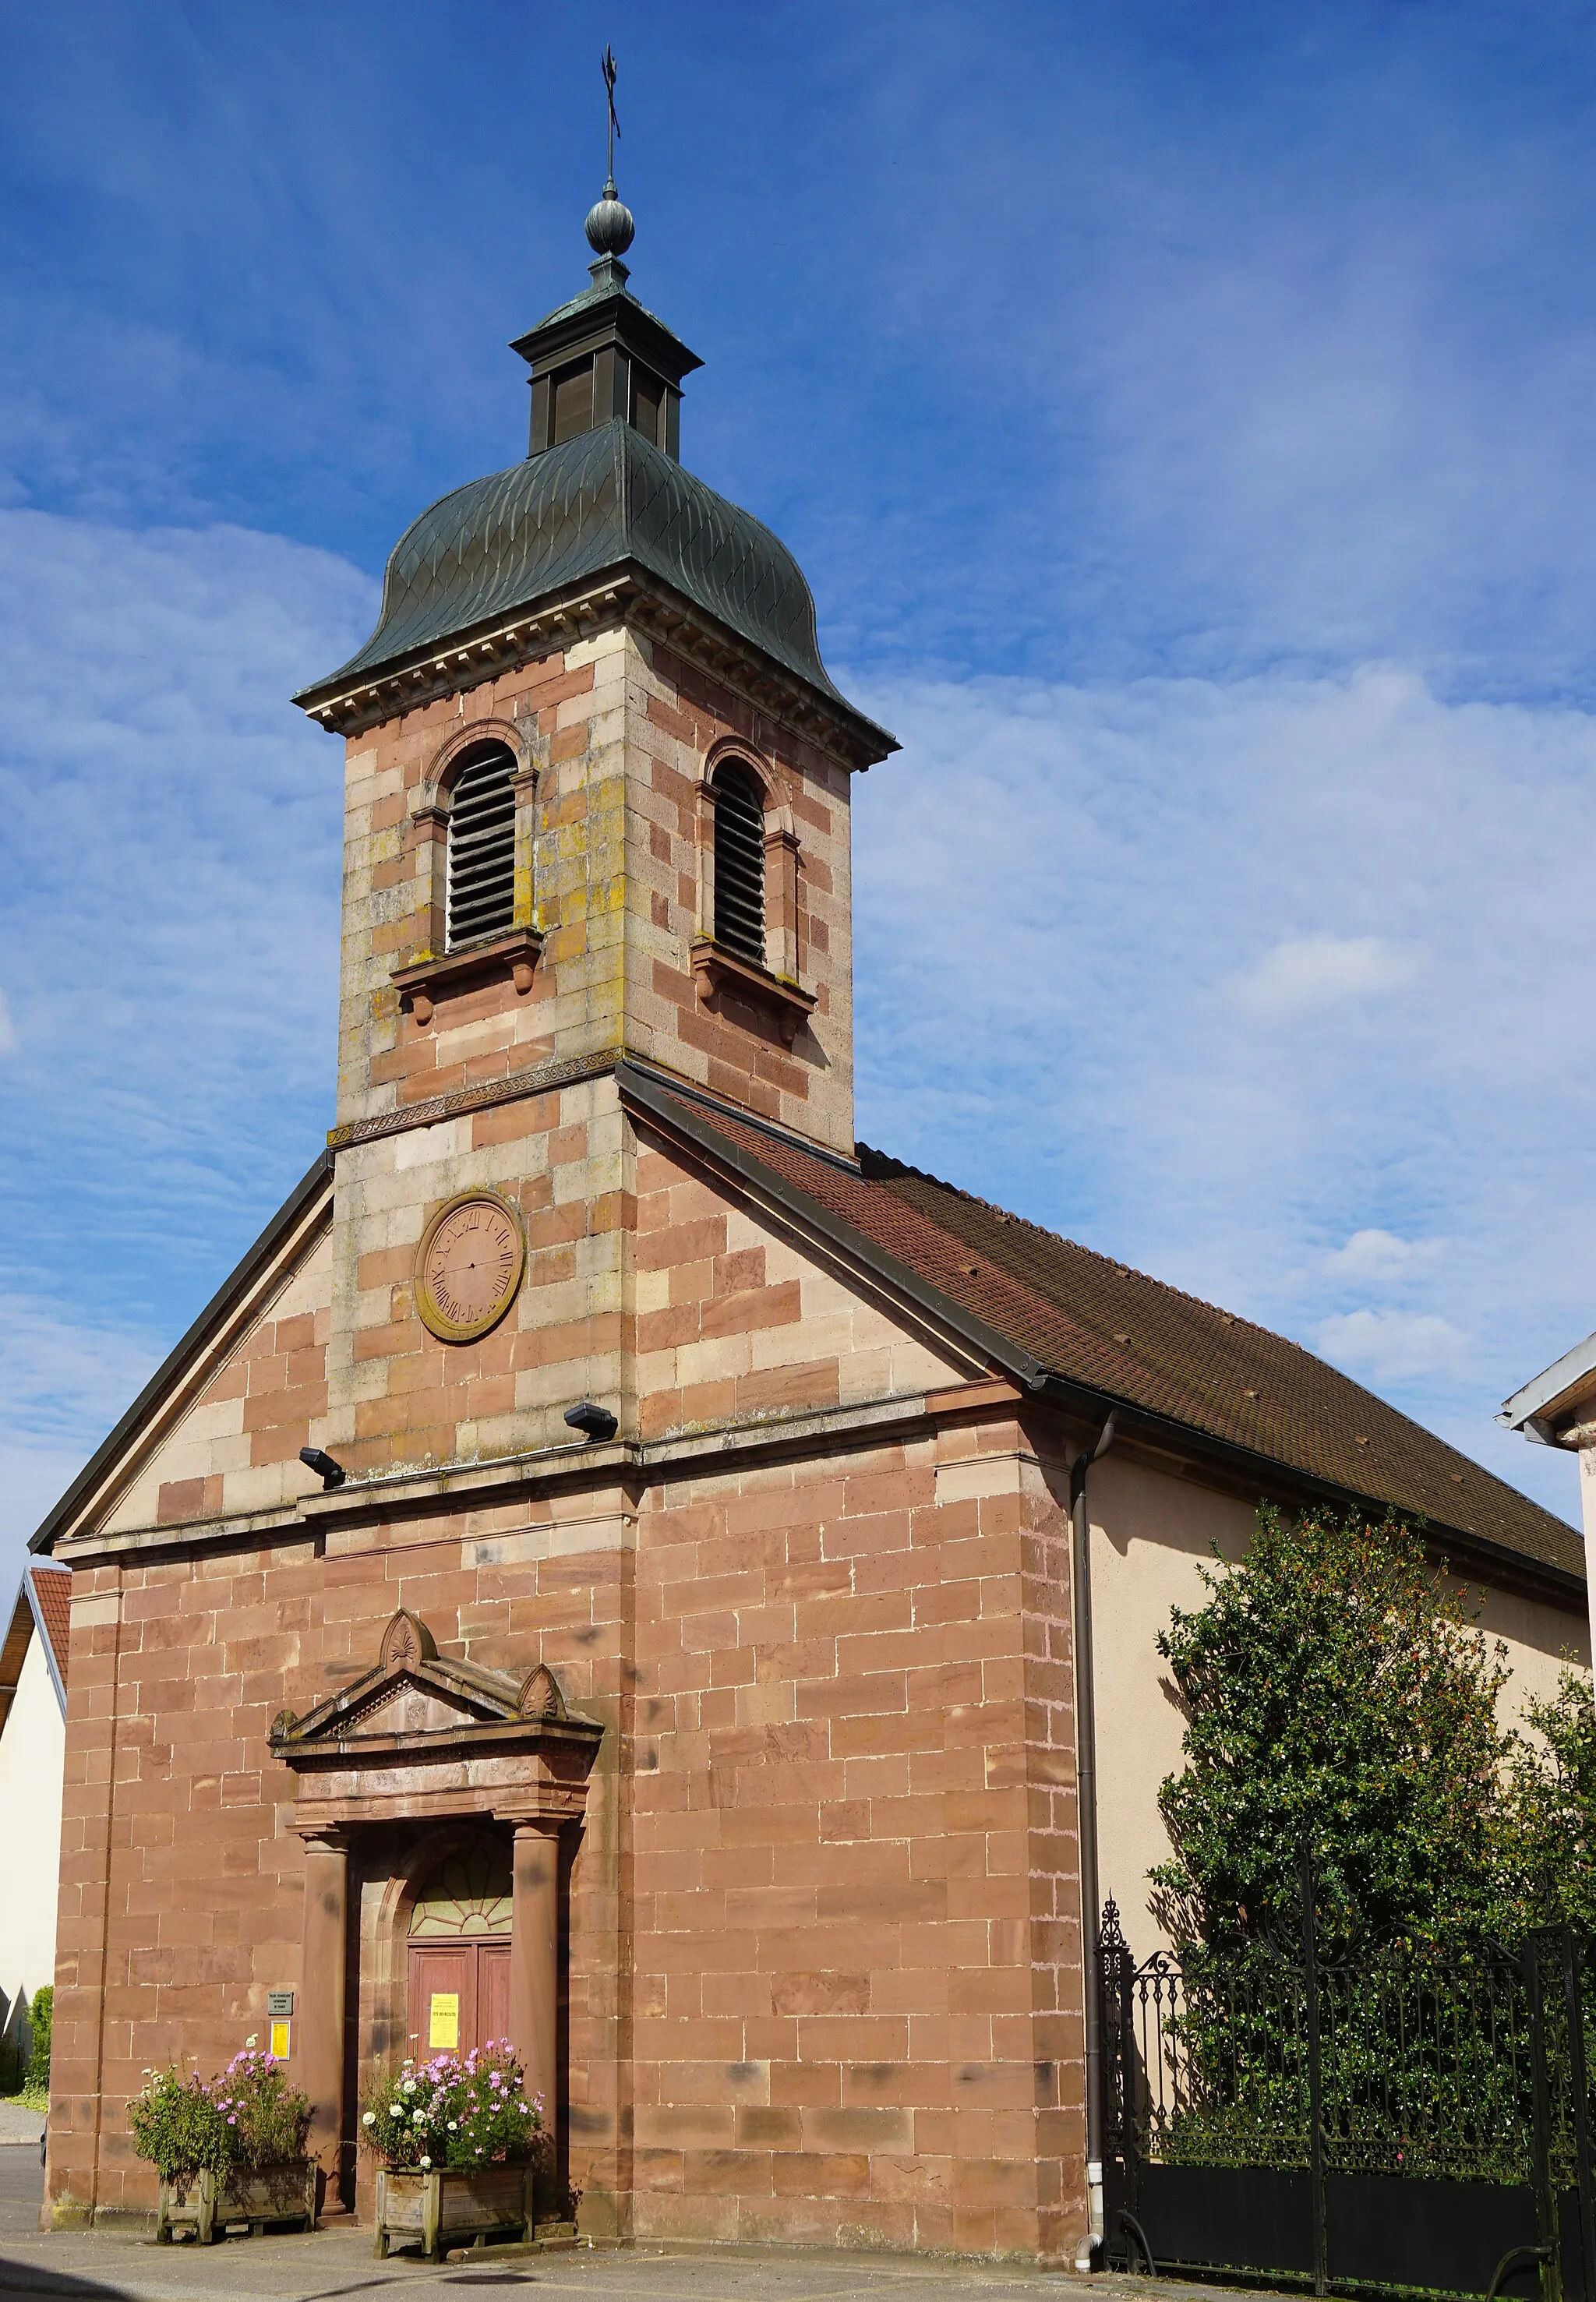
[{"x": 673, "y": 1656}]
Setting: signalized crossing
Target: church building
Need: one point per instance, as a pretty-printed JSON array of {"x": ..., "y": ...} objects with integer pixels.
[{"x": 619, "y": 1560}]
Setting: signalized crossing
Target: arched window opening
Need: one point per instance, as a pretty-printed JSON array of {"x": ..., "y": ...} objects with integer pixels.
[
  {"x": 482, "y": 846},
  {"x": 739, "y": 862}
]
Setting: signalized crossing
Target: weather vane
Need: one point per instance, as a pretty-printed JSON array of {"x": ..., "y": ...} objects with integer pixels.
[{"x": 608, "y": 68}]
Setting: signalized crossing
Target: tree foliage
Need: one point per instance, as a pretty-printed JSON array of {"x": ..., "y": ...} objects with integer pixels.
[
  {"x": 1551, "y": 1838},
  {"x": 1338, "y": 1692}
]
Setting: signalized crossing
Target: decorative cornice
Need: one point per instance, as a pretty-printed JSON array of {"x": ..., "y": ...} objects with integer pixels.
[
  {"x": 506, "y": 644},
  {"x": 569, "y": 1071}
]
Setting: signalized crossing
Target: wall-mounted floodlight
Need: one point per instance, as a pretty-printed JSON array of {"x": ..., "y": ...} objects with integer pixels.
[
  {"x": 331, "y": 1474},
  {"x": 593, "y": 1422}
]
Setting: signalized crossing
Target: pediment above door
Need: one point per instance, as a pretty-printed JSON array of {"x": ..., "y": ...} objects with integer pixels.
[{"x": 421, "y": 1733}]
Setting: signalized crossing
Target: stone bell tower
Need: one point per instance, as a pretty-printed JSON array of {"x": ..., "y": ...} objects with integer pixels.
[{"x": 597, "y": 810}]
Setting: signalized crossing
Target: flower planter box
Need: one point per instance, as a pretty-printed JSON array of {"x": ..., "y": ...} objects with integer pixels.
[
  {"x": 271, "y": 2194},
  {"x": 451, "y": 2206}
]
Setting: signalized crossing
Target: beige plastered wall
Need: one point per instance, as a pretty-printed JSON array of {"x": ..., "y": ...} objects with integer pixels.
[
  {"x": 1152, "y": 1535},
  {"x": 32, "y": 1750}
]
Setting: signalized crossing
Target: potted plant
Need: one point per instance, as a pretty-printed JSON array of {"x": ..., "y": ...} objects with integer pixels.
[
  {"x": 176, "y": 2125},
  {"x": 230, "y": 2149},
  {"x": 269, "y": 2177},
  {"x": 458, "y": 2137}
]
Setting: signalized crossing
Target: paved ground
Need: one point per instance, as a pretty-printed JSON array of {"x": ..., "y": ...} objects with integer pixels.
[
  {"x": 21, "y": 2126},
  {"x": 72, "y": 2266}
]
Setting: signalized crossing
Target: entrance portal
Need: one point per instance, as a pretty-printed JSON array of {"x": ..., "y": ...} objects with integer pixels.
[{"x": 459, "y": 1953}]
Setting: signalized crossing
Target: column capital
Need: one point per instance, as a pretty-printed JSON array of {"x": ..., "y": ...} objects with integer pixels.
[{"x": 324, "y": 1837}]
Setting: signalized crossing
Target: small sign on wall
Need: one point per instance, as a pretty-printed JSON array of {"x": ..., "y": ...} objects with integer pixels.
[
  {"x": 280, "y": 2041},
  {"x": 444, "y": 2019},
  {"x": 280, "y": 2004}
]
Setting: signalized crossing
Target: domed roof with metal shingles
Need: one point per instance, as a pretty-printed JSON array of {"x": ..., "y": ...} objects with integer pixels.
[{"x": 589, "y": 507}]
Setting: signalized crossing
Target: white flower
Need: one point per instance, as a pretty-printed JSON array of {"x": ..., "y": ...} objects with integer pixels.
[
  {"x": 251, "y": 2040},
  {"x": 426, "y": 2162},
  {"x": 453, "y": 2125},
  {"x": 418, "y": 2118},
  {"x": 409, "y": 2085},
  {"x": 371, "y": 2117}
]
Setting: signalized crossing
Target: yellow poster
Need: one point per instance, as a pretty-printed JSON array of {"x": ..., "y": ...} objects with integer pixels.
[
  {"x": 280, "y": 2042},
  {"x": 443, "y": 2021}
]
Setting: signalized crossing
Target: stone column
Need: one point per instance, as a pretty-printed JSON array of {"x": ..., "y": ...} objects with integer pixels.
[
  {"x": 535, "y": 1959},
  {"x": 320, "y": 2007}
]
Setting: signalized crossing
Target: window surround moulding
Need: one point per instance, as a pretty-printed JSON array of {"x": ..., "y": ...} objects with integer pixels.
[
  {"x": 471, "y": 660},
  {"x": 717, "y": 970},
  {"x": 422, "y": 981}
]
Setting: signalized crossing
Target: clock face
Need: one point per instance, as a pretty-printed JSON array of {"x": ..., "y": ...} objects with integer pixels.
[{"x": 468, "y": 1266}]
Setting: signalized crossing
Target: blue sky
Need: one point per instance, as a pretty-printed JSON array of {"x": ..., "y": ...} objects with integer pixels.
[{"x": 1185, "y": 418}]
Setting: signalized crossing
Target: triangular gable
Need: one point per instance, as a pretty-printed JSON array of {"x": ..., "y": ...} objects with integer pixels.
[
  {"x": 414, "y": 1700},
  {"x": 179, "y": 1381}
]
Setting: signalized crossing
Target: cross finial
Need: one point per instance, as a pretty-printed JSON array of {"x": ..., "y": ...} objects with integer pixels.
[
  {"x": 607, "y": 65},
  {"x": 609, "y": 225}
]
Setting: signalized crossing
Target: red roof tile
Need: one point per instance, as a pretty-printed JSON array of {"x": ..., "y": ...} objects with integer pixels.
[
  {"x": 1099, "y": 1324},
  {"x": 53, "y": 1589}
]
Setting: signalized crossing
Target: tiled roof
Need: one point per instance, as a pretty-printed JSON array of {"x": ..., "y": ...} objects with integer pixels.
[
  {"x": 53, "y": 1590},
  {"x": 1112, "y": 1330}
]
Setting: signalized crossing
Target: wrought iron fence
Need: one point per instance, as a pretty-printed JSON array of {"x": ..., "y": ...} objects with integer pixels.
[{"x": 1445, "y": 2093}]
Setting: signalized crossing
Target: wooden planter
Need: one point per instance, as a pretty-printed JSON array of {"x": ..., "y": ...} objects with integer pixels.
[
  {"x": 451, "y": 2206},
  {"x": 271, "y": 2194}
]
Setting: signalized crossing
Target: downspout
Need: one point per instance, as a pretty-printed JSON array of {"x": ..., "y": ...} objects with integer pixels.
[{"x": 1086, "y": 1780}]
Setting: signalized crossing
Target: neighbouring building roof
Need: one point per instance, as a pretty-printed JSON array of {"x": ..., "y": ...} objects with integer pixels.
[
  {"x": 43, "y": 1607},
  {"x": 1053, "y": 1311},
  {"x": 593, "y": 506},
  {"x": 50, "y": 1589},
  {"x": 1533, "y": 1410}
]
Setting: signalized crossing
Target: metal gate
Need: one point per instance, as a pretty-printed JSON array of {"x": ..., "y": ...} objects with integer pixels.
[{"x": 1406, "y": 2120}]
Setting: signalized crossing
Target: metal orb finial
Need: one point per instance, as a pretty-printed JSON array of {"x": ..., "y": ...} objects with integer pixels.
[{"x": 610, "y": 226}]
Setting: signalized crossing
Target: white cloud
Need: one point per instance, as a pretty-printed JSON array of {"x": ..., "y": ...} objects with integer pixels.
[
  {"x": 8, "y": 1030},
  {"x": 1371, "y": 1257},
  {"x": 1393, "y": 1346},
  {"x": 61, "y": 1387},
  {"x": 1106, "y": 863},
  {"x": 170, "y": 933},
  {"x": 1296, "y": 977}
]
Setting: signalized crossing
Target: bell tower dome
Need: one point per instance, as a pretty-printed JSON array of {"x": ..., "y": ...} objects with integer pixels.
[
  {"x": 594, "y": 677},
  {"x": 596, "y": 815}
]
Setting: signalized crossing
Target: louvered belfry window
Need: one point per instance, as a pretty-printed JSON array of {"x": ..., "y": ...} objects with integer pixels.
[
  {"x": 482, "y": 846},
  {"x": 739, "y": 863}
]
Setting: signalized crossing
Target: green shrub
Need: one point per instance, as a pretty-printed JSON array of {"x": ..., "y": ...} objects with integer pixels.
[
  {"x": 177, "y": 2124},
  {"x": 1337, "y": 1694},
  {"x": 37, "y": 2078}
]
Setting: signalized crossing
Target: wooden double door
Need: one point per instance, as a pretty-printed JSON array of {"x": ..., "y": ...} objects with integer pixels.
[{"x": 459, "y": 1994}]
